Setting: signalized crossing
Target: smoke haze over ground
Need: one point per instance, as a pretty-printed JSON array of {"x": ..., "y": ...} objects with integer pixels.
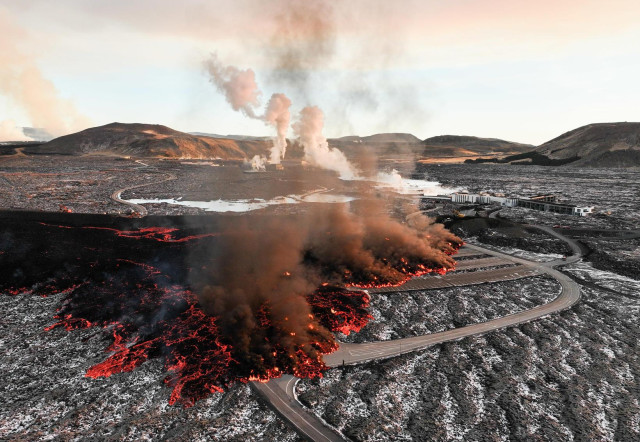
[
  {"x": 265, "y": 267},
  {"x": 22, "y": 82},
  {"x": 257, "y": 280},
  {"x": 242, "y": 93},
  {"x": 308, "y": 129},
  {"x": 9, "y": 131},
  {"x": 277, "y": 261}
]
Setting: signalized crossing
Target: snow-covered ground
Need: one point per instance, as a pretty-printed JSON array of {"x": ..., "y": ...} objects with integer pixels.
[
  {"x": 518, "y": 253},
  {"x": 403, "y": 314},
  {"x": 46, "y": 396},
  {"x": 569, "y": 376}
]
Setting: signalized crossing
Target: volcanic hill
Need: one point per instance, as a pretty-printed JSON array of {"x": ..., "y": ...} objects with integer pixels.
[
  {"x": 149, "y": 140},
  {"x": 449, "y": 148},
  {"x": 383, "y": 145},
  {"x": 593, "y": 145},
  {"x": 466, "y": 146},
  {"x": 153, "y": 140},
  {"x": 597, "y": 145}
]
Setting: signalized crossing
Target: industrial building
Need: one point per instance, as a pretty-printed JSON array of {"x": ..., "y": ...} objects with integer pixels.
[
  {"x": 475, "y": 198},
  {"x": 545, "y": 203},
  {"x": 548, "y": 203}
]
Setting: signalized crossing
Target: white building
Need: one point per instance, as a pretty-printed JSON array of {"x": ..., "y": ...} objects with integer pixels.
[
  {"x": 582, "y": 211},
  {"x": 474, "y": 198},
  {"x": 545, "y": 203}
]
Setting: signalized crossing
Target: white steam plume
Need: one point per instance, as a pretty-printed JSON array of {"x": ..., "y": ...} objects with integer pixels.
[
  {"x": 308, "y": 129},
  {"x": 10, "y": 132},
  {"x": 278, "y": 116},
  {"x": 258, "y": 163},
  {"x": 241, "y": 91},
  {"x": 239, "y": 86},
  {"x": 402, "y": 185},
  {"x": 22, "y": 82}
]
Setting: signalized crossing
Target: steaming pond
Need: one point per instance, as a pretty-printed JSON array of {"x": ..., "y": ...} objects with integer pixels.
[
  {"x": 406, "y": 186},
  {"x": 247, "y": 205}
]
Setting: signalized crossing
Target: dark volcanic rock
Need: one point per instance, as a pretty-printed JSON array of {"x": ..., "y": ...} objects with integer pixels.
[
  {"x": 597, "y": 145},
  {"x": 476, "y": 144},
  {"x": 619, "y": 256},
  {"x": 570, "y": 376}
]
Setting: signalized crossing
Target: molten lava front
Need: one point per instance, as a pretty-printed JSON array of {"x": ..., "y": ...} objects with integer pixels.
[
  {"x": 125, "y": 282},
  {"x": 165, "y": 321},
  {"x": 162, "y": 234},
  {"x": 340, "y": 310}
]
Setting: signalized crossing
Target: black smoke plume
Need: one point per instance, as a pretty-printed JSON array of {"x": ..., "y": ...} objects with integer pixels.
[{"x": 277, "y": 262}]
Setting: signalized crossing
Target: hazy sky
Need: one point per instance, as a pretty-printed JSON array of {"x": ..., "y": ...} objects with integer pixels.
[{"x": 525, "y": 71}]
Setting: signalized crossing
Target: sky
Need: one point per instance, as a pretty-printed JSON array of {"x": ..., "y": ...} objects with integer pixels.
[{"x": 516, "y": 70}]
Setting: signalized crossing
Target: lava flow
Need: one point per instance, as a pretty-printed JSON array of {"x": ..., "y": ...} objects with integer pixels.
[
  {"x": 165, "y": 321},
  {"x": 162, "y": 234},
  {"x": 215, "y": 319},
  {"x": 341, "y": 310}
]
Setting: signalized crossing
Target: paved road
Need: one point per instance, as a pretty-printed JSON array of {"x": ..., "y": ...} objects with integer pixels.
[
  {"x": 280, "y": 392},
  {"x": 479, "y": 263},
  {"x": 358, "y": 353},
  {"x": 458, "y": 279},
  {"x": 139, "y": 209},
  {"x": 576, "y": 251},
  {"x": 465, "y": 253}
]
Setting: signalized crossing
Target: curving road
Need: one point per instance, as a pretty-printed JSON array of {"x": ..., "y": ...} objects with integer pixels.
[
  {"x": 576, "y": 250},
  {"x": 358, "y": 353},
  {"x": 137, "y": 208},
  {"x": 575, "y": 246},
  {"x": 280, "y": 393}
]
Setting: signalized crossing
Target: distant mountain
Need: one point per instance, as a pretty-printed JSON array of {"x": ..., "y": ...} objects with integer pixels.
[
  {"x": 593, "y": 145},
  {"x": 443, "y": 148},
  {"x": 149, "y": 140},
  {"x": 467, "y": 146},
  {"x": 597, "y": 145},
  {"x": 230, "y": 137},
  {"x": 380, "y": 138},
  {"x": 391, "y": 138},
  {"x": 382, "y": 146}
]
